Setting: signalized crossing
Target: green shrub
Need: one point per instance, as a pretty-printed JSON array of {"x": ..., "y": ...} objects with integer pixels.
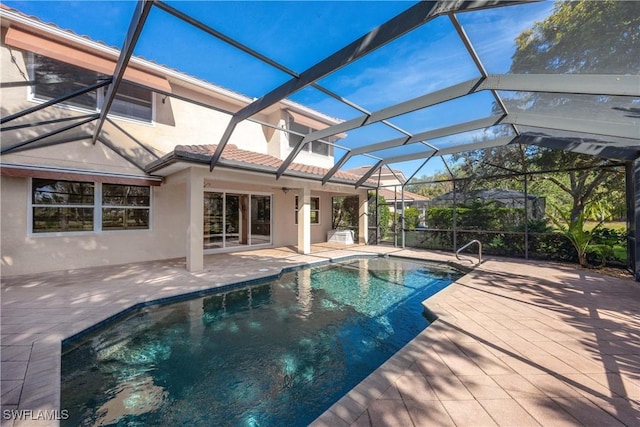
[{"x": 411, "y": 218}]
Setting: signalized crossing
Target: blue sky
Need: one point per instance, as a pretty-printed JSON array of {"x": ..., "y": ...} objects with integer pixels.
[{"x": 298, "y": 34}]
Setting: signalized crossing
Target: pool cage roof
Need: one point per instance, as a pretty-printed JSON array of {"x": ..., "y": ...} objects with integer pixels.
[{"x": 475, "y": 103}]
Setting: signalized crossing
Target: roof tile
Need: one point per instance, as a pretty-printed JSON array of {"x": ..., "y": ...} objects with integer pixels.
[{"x": 234, "y": 154}]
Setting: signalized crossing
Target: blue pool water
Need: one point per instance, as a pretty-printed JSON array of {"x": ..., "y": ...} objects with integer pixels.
[{"x": 278, "y": 353}]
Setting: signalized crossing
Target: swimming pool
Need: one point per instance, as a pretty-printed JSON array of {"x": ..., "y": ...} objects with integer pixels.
[{"x": 277, "y": 353}]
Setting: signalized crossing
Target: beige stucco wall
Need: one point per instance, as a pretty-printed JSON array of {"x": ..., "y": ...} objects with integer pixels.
[
  {"x": 23, "y": 253},
  {"x": 176, "y": 122},
  {"x": 284, "y": 228}
]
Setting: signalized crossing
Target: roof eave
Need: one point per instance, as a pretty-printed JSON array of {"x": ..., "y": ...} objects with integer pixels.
[{"x": 203, "y": 159}]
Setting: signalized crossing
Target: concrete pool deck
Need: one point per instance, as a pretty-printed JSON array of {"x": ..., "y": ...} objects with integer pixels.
[{"x": 515, "y": 343}]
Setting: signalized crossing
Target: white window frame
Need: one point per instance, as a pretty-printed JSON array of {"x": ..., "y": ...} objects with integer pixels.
[
  {"x": 296, "y": 205},
  {"x": 101, "y": 92},
  {"x": 308, "y": 147},
  {"x": 103, "y": 206},
  {"x": 97, "y": 213}
]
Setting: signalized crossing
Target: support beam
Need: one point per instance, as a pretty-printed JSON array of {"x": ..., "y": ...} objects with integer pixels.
[
  {"x": 122, "y": 153},
  {"x": 135, "y": 28},
  {"x": 367, "y": 175},
  {"x": 134, "y": 139},
  {"x": 452, "y": 150},
  {"x": 558, "y": 122},
  {"x": 406, "y": 21},
  {"x": 43, "y": 144},
  {"x": 195, "y": 220},
  {"x": 220, "y": 36},
  {"x": 47, "y": 122},
  {"x": 304, "y": 220},
  {"x": 397, "y": 142},
  {"x": 336, "y": 167},
  {"x": 432, "y": 134},
  {"x": 363, "y": 217},
  {"x": 418, "y": 103},
  {"x": 632, "y": 170},
  {"x": 54, "y": 101},
  {"x": 583, "y": 147},
  {"x": 419, "y": 169},
  {"x": 619, "y": 130},
  {"x": 584, "y": 84},
  {"x": 48, "y": 134}
]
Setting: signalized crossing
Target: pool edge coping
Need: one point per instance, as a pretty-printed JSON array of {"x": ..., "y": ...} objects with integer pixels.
[{"x": 48, "y": 351}]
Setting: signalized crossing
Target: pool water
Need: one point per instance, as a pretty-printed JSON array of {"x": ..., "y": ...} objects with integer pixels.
[{"x": 278, "y": 353}]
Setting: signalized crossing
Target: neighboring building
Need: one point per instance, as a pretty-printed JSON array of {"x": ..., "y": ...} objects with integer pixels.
[
  {"x": 536, "y": 205},
  {"x": 384, "y": 177},
  {"x": 391, "y": 182},
  {"x": 144, "y": 191}
]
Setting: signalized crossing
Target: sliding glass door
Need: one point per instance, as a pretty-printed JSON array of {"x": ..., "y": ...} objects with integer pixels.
[
  {"x": 236, "y": 219},
  {"x": 213, "y": 221},
  {"x": 260, "y": 220}
]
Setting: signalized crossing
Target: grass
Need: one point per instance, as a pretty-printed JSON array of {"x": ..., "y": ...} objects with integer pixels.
[{"x": 614, "y": 225}]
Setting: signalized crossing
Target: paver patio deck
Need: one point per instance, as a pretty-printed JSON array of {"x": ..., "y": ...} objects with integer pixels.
[{"x": 515, "y": 342}]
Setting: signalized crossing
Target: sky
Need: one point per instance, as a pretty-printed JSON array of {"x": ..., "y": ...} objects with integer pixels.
[{"x": 298, "y": 34}]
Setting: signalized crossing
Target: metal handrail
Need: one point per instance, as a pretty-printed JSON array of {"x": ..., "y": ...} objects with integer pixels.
[{"x": 469, "y": 244}]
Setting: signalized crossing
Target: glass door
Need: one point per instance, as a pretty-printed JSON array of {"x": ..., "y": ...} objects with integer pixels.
[
  {"x": 232, "y": 219},
  {"x": 260, "y": 220},
  {"x": 236, "y": 216},
  {"x": 213, "y": 221}
]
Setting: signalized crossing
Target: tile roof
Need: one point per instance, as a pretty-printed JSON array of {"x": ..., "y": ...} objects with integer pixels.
[
  {"x": 385, "y": 171},
  {"x": 408, "y": 195},
  {"x": 232, "y": 156}
]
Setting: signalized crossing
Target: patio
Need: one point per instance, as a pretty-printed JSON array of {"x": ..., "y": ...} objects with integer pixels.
[{"x": 515, "y": 343}]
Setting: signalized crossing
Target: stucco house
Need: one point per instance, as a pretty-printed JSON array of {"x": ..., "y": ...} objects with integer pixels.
[
  {"x": 142, "y": 187},
  {"x": 390, "y": 182}
]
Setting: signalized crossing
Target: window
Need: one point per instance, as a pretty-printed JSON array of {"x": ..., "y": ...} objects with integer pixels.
[
  {"x": 62, "y": 206},
  {"x": 315, "y": 146},
  {"x": 315, "y": 210},
  {"x": 54, "y": 79},
  {"x": 132, "y": 102},
  {"x": 125, "y": 207},
  {"x": 59, "y": 206}
]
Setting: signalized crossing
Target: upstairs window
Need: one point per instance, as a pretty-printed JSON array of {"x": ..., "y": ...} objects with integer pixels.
[
  {"x": 132, "y": 102},
  {"x": 55, "y": 78},
  {"x": 314, "y": 147}
]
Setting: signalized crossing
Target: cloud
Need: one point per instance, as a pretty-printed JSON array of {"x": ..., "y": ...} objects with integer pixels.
[{"x": 402, "y": 71}]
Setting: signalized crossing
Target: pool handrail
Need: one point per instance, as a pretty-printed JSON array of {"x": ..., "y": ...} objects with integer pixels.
[{"x": 469, "y": 244}]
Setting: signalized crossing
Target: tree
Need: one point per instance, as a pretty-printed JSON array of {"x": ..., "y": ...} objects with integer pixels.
[
  {"x": 411, "y": 218},
  {"x": 345, "y": 212},
  {"x": 578, "y": 37},
  {"x": 582, "y": 37},
  {"x": 382, "y": 220},
  {"x": 431, "y": 186}
]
